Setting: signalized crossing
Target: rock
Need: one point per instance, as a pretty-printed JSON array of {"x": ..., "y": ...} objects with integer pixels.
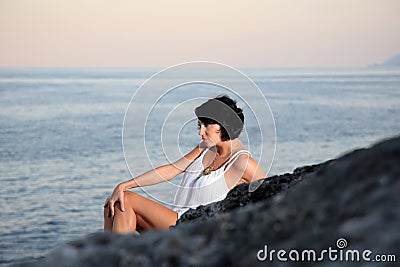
[
  {"x": 394, "y": 61},
  {"x": 351, "y": 203},
  {"x": 240, "y": 195}
]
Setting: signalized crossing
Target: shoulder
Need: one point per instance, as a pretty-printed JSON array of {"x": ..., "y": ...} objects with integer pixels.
[
  {"x": 243, "y": 160},
  {"x": 248, "y": 168}
]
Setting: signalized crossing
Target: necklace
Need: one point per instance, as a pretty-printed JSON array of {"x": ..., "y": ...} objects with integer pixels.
[{"x": 209, "y": 169}]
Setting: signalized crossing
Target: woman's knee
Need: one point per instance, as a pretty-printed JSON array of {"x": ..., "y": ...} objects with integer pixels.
[{"x": 130, "y": 198}]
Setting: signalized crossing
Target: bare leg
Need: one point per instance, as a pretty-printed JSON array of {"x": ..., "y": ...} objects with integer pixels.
[
  {"x": 108, "y": 221},
  {"x": 140, "y": 214},
  {"x": 124, "y": 221}
]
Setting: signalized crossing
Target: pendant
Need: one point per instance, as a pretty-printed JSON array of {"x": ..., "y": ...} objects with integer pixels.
[{"x": 207, "y": 170}]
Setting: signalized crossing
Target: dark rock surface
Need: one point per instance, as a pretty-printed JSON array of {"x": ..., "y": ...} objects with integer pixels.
[
  {"x": 355, "y": 197},
  {"x": 240, "y": 195}
]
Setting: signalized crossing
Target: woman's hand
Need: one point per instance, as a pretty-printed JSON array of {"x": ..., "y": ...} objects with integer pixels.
[
  {"x": 155, "y": 176},
  {"x": 116, "y": 196}
]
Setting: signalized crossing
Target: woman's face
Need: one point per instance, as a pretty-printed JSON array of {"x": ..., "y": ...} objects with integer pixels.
[{"x": 210, "y": 134}]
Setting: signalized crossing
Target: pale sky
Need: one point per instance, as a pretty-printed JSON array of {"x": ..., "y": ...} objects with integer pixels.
[{"x": 251, "y": 33}]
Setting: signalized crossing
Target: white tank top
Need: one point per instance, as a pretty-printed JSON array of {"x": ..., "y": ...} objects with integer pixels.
[{"x": 196, "y": 189}]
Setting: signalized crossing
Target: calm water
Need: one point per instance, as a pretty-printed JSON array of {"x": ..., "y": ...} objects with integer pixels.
[{"x": 61, "y": 152}]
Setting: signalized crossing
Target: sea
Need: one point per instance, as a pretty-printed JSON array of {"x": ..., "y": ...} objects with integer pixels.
[{"x": 62, "y": 150}]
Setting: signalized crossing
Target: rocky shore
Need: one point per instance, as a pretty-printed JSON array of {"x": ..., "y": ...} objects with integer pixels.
[{"x": 350, "y": 203}]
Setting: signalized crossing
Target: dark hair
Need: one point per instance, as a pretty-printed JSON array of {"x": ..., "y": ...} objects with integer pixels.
[{"x": 223, "y": 111}]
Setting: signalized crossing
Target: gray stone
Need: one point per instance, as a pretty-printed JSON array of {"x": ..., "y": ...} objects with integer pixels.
[{"x": 355, "y": 197}]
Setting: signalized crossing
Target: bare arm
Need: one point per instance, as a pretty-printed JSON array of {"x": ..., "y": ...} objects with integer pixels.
[
  {"x": 253, "y": 171},
  {"x": 165, "y": 172},
  {"x": 244, "y": 170},
  {"x": 155, "y": 176}
]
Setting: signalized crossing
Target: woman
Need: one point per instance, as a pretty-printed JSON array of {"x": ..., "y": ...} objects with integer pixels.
[{"x": 211, "y": 169}]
